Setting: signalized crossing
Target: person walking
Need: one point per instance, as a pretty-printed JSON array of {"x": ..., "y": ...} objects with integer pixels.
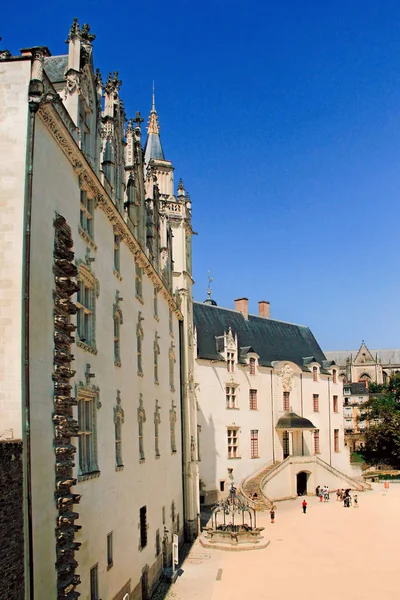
[
  {"x": 317, "y": 490},
  {"x": 272, "y": 514},
  {"x": 304, "y": 505},
  {"x": 355, "y": 500}
]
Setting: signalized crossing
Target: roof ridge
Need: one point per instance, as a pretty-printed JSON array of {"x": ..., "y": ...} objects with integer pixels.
[{"x": 236, "y": 312}]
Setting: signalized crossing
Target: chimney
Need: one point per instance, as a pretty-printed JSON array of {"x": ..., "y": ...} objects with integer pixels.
[
  {"x": 264, "y": 309},
  {"x": 242, "y": 305}
]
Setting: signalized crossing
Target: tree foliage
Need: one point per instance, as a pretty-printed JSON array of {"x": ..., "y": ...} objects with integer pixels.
[{"x": 382, "y": 414}]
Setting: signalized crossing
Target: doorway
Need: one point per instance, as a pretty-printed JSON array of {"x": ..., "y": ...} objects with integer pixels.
[
  {"x": 301, "y": 480},
  {"x": 285, "y": 443}
]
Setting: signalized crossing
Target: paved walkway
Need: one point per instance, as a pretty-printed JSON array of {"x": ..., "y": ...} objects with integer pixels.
[{"x": 331, "y": 552}]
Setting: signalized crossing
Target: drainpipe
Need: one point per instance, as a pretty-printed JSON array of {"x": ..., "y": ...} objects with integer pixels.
[
  {"x": 272, "y": 420},
  {"x": 329, "y": 421},
  {"x": 185, "y": 458},
  {"x": 35, "y": 96}
]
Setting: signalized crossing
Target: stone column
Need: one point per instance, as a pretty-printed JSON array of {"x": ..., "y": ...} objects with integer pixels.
[{"x": 290, "y": 443}]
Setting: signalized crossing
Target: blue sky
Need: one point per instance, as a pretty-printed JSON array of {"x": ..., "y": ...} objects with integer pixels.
[{"x": 283, "y": 119}]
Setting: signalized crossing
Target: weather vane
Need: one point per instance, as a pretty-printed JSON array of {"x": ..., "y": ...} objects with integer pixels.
[{"x": 210, "y": 280}]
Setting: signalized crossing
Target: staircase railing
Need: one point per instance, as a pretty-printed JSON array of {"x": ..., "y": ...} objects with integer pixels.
[{"x": 244, "y": 481}]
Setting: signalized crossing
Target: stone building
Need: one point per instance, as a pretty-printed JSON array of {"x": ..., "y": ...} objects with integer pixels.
[
  {"x": 366, "y": 365},
  {"x": 270, "y": 406},
  {"x": 95, "y": 290},
  {"x": 355, "y": 395}
]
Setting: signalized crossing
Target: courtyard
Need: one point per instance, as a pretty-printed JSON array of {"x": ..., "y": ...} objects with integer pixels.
[{"x": 331, "y": 552}]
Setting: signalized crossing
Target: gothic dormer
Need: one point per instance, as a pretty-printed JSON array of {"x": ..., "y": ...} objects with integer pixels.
[
  {"x": 113, "y": 144},
  {"x": 82, "y": 91}
]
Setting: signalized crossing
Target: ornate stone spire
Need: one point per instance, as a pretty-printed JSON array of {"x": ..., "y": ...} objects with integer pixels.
[
  {"x": 153, "y": 148},
  {"x": 153, "y": 126}
]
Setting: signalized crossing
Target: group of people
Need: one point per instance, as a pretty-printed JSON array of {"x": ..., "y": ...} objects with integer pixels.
[
  {"x": 322, "y": 493},
  {"x": 345, "y": 497}
]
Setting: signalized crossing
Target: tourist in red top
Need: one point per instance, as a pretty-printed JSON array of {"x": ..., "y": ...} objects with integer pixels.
[{"x": 304, "y": 505}]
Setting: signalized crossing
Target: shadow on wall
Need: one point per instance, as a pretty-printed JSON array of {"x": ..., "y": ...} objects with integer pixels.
[{"x": 208, "y": 455}]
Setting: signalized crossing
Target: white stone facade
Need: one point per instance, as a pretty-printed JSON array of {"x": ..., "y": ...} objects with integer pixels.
[
  {"x": 250, "y": 399},
  {"x": 130, "y": 385}
]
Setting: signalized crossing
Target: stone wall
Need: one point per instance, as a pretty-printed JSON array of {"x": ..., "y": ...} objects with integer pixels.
[{"x": 11, "y": 521}]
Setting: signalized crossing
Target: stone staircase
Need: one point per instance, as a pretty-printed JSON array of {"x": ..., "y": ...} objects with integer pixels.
[{"x": 251, "y": 486}]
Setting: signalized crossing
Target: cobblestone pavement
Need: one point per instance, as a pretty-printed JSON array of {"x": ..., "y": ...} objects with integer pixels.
[{"x": 328, "y": 553}]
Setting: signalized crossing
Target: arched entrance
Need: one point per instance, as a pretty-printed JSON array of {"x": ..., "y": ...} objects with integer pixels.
[{"x": 301, "y": 481}]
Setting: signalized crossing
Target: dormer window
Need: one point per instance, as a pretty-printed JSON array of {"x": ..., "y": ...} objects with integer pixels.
[
  {"x": 334, "y": 376},
  {"x": 315, "y": 374},
  {"x": 230, "y": 362},
  {"x": 252, "y": 365}
]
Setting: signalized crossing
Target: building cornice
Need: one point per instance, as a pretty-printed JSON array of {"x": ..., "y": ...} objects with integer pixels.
[{"x": 89, "y": 180}]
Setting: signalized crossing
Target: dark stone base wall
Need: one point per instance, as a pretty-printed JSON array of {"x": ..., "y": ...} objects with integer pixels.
[{"x": 11, "y": 521}]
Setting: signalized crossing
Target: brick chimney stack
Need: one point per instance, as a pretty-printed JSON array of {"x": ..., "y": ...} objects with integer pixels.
[
  {"x": 242, "y": 305},
  {"x": 264, "y": 309}
]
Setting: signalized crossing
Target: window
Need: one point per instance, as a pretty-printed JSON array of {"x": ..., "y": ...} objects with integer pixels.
[
  {"x": 222, "y": 486},
  {"x": 138, "y": 282},
  {"x": 94, "y": 583},
  {"x": 316, "y": 442},
  {"x": 315, "y": 374},
  {"x": 155, "y": 303},
  {"x": 286, "y": 401},
  {"x": 254, "y": 443},
  {"x": 157, "y": 421},
  {"x": 334, "y": 378},
  {"x": 252, "y": 365},
  {"x": 233, "y": 442},
  {"x": 110, "y": 550},
  {"x": 346, "y": 401},
  {"x": 253, "y": 399},
  {"x": 335, "y": 404},
  {"x": 87, "y": 401},
  {"x": 173, "y": 511},
  {"x": 156, "y": 352},
  {"x": 163, "y": 515},
  {"x": 230, "y": 392},
  {"x": 316, "y": 402},
  {"x": 336, "y": 440},
  {"x": 172, "y": 367},
  {"x": 143, "y": 527},
  {"x": 117, "y": 249},
  {"x": 84, "y": 318},
  {"x": 87, "y": 213},
  {"x": 230, "y": 362},
  {"x": 347, "y": 390},
  {"x": 158, "y": 543},
  {"x": 141, "y": 421},
  {"x": 172, "y": 423},
  {"x": 118, "y": 420}
]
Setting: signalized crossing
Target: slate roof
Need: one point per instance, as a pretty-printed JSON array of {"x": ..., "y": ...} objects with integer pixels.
[
  {"x": 387, "y": 356},
  {"x": 357, "y": 389},
  {"x": 153, "y": 148},
  {"x": 289, "y": 420},
  {"x": 55, "y": 67},
  {"x": 271, "y": 340}
]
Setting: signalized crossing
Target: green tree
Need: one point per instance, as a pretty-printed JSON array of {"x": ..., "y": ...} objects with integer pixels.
[{"x": 382, "y": 414}]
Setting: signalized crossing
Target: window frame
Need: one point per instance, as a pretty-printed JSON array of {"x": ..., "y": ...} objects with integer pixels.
[
  {"x": 315, "y": 402},
  {"x": 233, "y": 441},
  {"x": 231, "y": 396},
  {"x": 88, "y": 400},
  {"x": 254, "y": 449},
  {"x": 316, "y": 442},
  {"x": 253, "y": 399},
  {"x": 286, "y": 401}
]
